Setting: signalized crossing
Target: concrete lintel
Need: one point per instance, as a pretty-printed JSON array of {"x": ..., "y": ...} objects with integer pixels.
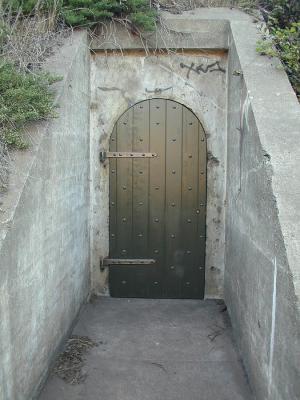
[{"x": 205, "y": 28}]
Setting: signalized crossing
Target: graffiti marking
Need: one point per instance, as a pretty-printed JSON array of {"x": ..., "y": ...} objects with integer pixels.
[{"x": 213, "y": 67}]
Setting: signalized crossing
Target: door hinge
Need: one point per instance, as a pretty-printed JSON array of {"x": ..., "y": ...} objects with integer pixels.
[
  {"x": 108, "y": 262},
  {"x": 124, "y": 154}
]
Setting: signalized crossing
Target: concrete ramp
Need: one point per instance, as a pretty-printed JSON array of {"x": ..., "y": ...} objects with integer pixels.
[{"x": 155, "y": 350}]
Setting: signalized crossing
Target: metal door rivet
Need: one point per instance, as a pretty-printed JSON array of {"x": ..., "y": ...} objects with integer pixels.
[
  {"x": 190, "y": 188},
  {"x": 173, "y": 204},
  {"x": 124, "y": 187},
  {"x": 190, "y": 123},
  {"x": 157, "y": 107},
  {"x": 173, "y": 140},
  {"x": 141, "y": 203},
  {"x": 125, "y": 123},
  {"x": 189, "y": 221},
  {"x": 172, "y": 236},
  {"x": 190, "y": 156},
  {"x": 140, "y": 235},
  {"x": 202, "y": 139},
  {"x": 201, "y": 236},
  {"x": 124, "y": 219},
  {"x": 202, "y": 172},
  {"x": 141, "y": 172},
  {"x": 155, "y": 283},
  {"x": 156, "y": 219},
  {"x": 173, "y": 172},
  {"x": 187, "y": 283},
  {"x": 197, "y": 211},
  {"x": 172, "y": 267},
  {"x": 124, "y": 251},
  {"x": 188, "y": 252},
  {"x": 157, "y": 123},
  {"x": 141, "y": 139},
  {"x": 201, "y": 268},
  {"x": 123, "y": 282},
  {"x": 201, "y": 204},
  {"x": 156, "y": 251},
  {"x": 112, "y": 235},
  {"x": 156, "y": 188},
  {"x": 112, "y": 203}
]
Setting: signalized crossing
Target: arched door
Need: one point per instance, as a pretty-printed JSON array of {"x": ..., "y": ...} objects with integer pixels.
[{"x": 157, "y": 202}]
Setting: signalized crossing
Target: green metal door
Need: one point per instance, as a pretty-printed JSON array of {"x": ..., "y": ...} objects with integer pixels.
[{"x": 157, "y": 202}]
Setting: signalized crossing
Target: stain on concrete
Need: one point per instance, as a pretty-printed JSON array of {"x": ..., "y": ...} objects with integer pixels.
[{"x": 213, "y": 161}]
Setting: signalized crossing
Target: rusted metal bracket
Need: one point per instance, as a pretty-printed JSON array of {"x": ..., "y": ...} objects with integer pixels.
[
  {"x": 108, "y": 262},
  {"x": 124, "y": 154}
]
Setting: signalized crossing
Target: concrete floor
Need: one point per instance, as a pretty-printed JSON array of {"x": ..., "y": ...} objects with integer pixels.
[{"x": 155, "y": 350}]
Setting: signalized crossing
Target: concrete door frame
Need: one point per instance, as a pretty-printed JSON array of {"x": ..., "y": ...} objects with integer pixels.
[{"x": 208, "y": 107}]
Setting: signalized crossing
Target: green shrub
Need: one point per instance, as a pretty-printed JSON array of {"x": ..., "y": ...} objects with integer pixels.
[
  {"x": 24, "y": 97},
  {"x": 283, "y": 20},
  {"x": 90, "y": 12},
  {"x": 287, "y": 41},
  {"x": 281, "y": 13}
]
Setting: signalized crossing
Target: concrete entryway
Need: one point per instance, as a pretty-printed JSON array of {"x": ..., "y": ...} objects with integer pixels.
[{"x": 155, "y": 350}]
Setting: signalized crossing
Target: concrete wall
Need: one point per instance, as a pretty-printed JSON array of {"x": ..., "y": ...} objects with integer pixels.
[
  {"x": 44, "y": 247},
  {"x": 262, "y": 217},
  {"x": 120, "y": 80}
]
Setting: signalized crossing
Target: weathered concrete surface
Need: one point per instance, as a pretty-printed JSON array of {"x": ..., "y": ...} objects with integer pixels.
[
  {"x": 119, "y": 81},
  {"x": 44, "y": 248},
  {"x": 154, "y": 350},
  {"x": 262, "y": 220}
]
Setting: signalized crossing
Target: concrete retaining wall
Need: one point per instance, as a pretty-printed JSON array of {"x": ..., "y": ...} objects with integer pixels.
[
  {"x": 44, "y": 247},
  {"x": 262, "y": 217}
]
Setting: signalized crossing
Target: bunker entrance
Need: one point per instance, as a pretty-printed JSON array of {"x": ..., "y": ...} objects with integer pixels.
[{"x": 157, "y": 195}]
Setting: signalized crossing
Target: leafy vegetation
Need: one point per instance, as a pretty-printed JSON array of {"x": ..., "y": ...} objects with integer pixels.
[
  {"x": 283, "y": 21},
  {"x": 280, "y": 13},
  {"x": 24, "y": 97},
  {"x": 90, "y": 12}
]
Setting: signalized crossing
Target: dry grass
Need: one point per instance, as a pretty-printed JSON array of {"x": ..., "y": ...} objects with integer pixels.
[
  {"x": 29, "y": 41},
  {"x": 69, "y": 363},
  {"x": 178, "y": 6}
]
